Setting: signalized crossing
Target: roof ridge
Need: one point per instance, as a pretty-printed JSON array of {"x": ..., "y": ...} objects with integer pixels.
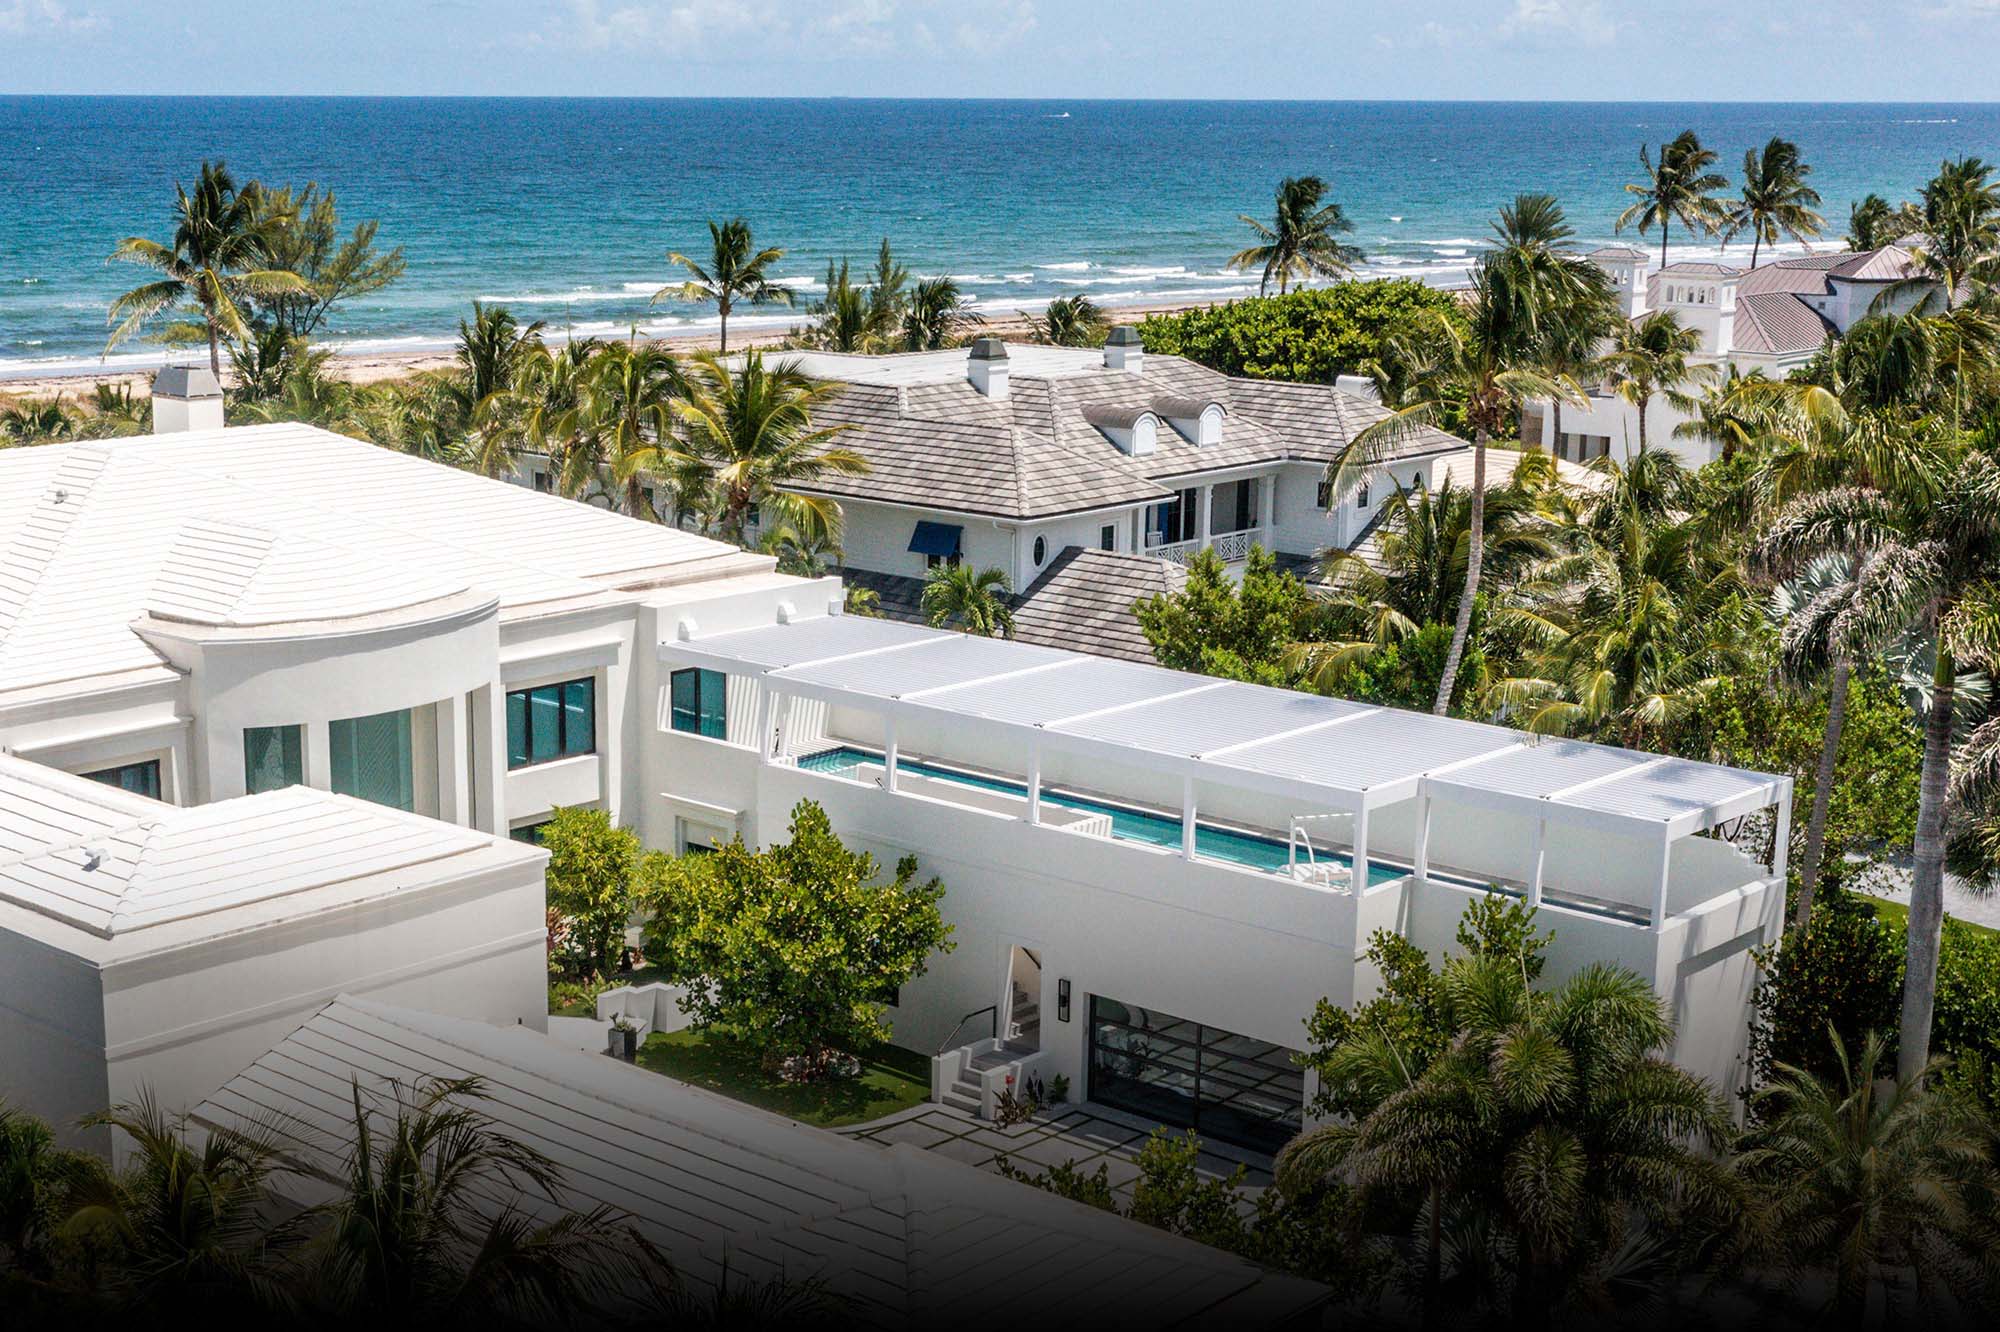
[
  {"x": 24, "y": 561},
  {"x": 151, "y": 828}
]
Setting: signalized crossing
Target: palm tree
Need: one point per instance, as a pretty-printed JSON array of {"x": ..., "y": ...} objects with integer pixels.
[
  {"x": 1928, "y": 547},
  {"x": 37, "y": 1179},
  {"x": 1859, "y": 1173},
  {"x": 1680, "y": 186},
  {"x": 736, "y": 271},
  {"x": 841, "y": 320},
  {"x": 750, "y": 439},
  {"x": 1871, "y": 224},
  {"x": 1652, "y": 357},
  {"x": 936, "y": 314},
  {"x": 1070, "y": 321},
  {"x": 543, "y": 411},
  {"x": 1775, "y": 198},
  {"x": 1490, "y": 364},
  {"x": 431, "y": 1220},
  {"x": 492, "y": 347},
  {"x": 1549, "y": 1127},
  {"x": 628, "y": 405},
  {"x": 1300, "y": 242},
  {"x": 978, "y": 601},
  {"x": 218, "y": 258},
  {"x": 1958, "y": 218}
]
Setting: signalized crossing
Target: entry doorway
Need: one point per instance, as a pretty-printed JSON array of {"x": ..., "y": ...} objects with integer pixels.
[{"x": 1022, "y": 1029}]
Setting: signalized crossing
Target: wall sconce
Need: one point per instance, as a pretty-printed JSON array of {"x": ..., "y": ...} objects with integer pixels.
[{"x": 1062, "y": 1000}]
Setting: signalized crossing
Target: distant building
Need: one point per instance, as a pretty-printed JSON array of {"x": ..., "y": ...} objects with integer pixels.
[{"x": 1769, "y": 319}]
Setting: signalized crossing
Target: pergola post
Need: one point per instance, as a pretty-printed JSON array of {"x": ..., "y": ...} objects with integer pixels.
[
  {"x": 1187, "y": 818},
  {"x": 888, "y": 751},
  {"x": 1357, "y": 878},
  {"x": 767, "y": 710},
  {"x": 779, "y": 741},
  {"x": 1420, "y": 860},
  {"x": 1660, "y": 892},
  {"x": 1781, "y": 852},
  {"x": 1537, "y": 856},
  {"x": 1035, "y": 782}
]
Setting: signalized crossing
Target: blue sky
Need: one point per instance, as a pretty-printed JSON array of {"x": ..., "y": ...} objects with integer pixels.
[{"x": 1695, "y": 50}]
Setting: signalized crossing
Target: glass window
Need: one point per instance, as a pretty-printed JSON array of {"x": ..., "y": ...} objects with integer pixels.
[
  {"x": 531, "y": 833},
  {"x": 1107, "y": 537},
  {"x": 1224, "y": 1086},
  {"x": 698, "y": 703},
  {"x": 551, "y": 721},
  {"x": 1041, "y": 549},
  {"x": 273, "y": 758},
  {"x": 138, "y": 778},
  {"x": 1323, "y": 496},
  {"x": 371, "y": 758},
  {"x": 1361, "y": 496}
]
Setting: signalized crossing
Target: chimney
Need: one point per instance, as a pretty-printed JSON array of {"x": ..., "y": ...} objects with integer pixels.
[
  {"x": 986, "y": 367},
  {"x": 186, "y": 398},
  {"x": 1123, "y": 350}
]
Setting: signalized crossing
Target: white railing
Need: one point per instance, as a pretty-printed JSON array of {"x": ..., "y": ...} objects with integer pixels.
[
  {"x": 1179, "y": 552},
  {"x": 1229, "y": 547}
]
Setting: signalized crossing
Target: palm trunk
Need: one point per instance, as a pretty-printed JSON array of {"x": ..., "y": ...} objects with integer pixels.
[
  {"x": 1756, "y": 240},
  {"x": 1461, "y": 628},
  {"x": 1665, "y": 224},
  {"x": 1836, "y": 718},
  {"x": 1556, "y": 434},
  {"x": 214, "y": 351},
  {"x": 1643, "y": 403},
  {"x": 722, "y": 309},
  {"x": 1913, "y": 1049}
]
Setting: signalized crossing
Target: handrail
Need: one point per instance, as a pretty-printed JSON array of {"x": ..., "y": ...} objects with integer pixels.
[{"x": 994, "y": 1009}]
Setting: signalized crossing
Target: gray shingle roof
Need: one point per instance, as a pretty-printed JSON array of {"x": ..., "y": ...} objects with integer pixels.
[
  {"x": 1083, "y": 601},
  {"x": 1037, "y": 455},
  {"x": 1779, "y": 323}
]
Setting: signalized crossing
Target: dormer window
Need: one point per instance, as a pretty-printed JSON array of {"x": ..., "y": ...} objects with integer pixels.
[
  {"x": 1197, "y": 420},
  {"x": 1135, "y": 430}
]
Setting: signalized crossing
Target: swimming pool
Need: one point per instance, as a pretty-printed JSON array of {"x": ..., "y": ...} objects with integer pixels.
[{"x": 1133, "y": 825}]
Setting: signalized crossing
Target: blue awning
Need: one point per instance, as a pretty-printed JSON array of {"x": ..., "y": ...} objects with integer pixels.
[{"x": 940, "y": 539}]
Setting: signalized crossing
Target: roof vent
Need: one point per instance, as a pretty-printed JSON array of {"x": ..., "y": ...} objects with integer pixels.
[
  {"x": 986, "y": 367},
  {"x": 1123, "y": 350},
  {"x": 186, "y": 397}
]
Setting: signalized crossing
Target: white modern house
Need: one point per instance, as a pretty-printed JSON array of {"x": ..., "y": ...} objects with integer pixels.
[
  {"x": 1151, "y": 874},
  {"x": 1770, "y": 320}
]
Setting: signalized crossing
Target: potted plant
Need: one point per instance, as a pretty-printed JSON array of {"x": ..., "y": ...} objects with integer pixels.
[{"x": 622, "y": 1040}]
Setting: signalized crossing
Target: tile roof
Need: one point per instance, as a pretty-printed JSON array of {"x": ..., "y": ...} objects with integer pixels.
[
  {"x": 1083, "y": 601},
  {"x": 1697, "y": 268},
  {"x": 1778, "y": 323},
  {"x": 1891, "y": 263},
  {"x": 726, "y": 1190},
  {"x": 271, "y": 524},
  {"x": 1801, "y": 279},
  {"x": 933, "y": 440}
]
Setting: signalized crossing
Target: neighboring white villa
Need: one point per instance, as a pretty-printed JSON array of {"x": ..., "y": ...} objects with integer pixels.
[
  {"x": 1149, "y": 872},
  {"x": 1768, "y": 319}
]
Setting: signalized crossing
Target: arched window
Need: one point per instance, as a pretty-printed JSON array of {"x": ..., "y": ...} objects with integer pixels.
[{"x": 1041, "y": 550}]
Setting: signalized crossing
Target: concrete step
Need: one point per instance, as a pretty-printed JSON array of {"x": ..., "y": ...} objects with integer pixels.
[{"x": 958, "y": 1101}]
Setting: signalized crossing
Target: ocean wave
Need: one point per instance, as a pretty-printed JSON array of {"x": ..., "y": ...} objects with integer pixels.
[{"x": 1071, "y": 266}]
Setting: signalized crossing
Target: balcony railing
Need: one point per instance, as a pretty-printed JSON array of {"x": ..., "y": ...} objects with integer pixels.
[{"x": 1229, "y": 547}]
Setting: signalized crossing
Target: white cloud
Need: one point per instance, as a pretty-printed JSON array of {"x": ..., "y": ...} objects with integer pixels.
[
  {"x": 688, "y": 24},
  {"x": 1002, "y": 25},
  {"x": 1570, "y": 20},
  {"x": 805, "y": 29},
  {"x": 44, "y": 16}
]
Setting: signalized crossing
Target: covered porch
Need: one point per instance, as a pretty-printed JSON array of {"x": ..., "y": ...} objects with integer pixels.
[{"x": 1227, "y": 516}]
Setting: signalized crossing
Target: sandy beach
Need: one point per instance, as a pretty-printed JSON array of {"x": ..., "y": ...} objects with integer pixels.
[{"x": 373, "y": 367}]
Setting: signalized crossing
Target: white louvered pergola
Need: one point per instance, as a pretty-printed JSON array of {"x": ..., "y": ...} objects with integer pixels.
[{"x": 1314, "y": 751}]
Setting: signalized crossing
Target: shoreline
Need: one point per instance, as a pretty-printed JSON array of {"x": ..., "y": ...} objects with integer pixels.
[{"x": 374, "y": 367}]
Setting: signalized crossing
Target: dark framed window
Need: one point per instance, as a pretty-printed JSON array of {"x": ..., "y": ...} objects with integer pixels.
[
  {"x": 1107, "y": 537},
  {"x": 273, "y": 758},
  {"x": 551, "y": 721},
  {"x": 697, "y": 702},
  {"x": 1223, "y": 1086},
  {"x": 138, "y": 778},
  {"x": 545, "y": 482},
  {"x": 1041, "y": 550},
  {"x": 1323, "y": 495},
  {"x": 1361, "y": 496}
]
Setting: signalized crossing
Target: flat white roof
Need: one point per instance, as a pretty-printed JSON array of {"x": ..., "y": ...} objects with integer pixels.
[
  {"x": 267, "y": 525},
  {"x": 713, "y": 1182},
  {"x": 1305, "y": 746},
  {"x": 112, "y": 864}
]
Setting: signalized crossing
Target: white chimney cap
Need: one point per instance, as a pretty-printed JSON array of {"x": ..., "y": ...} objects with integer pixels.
[{"x": 186, "y": 382}]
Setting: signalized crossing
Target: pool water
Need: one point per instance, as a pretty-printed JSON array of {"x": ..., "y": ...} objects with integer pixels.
[{"x": 1133, "y": 825}]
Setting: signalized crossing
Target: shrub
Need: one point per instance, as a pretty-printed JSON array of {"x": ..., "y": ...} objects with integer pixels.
[{"x": 1309, "y": 336}]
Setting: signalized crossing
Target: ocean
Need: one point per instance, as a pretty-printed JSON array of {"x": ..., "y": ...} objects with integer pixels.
[{"x": 565, "y": 209}]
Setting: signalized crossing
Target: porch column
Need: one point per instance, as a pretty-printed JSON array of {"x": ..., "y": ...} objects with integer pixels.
[
  {"x": 1660, "y": 892},
  {"x": 888, "y": 751},
  {"x": 1187, "y": 818},
  {"x": 1536, "y": 856},
  {"x": 1357, "y": 879},
  {"x": 1267, "y": 504},
  {"x": 1035, "y": 782},
  {"x": 1204, "y": 500}
]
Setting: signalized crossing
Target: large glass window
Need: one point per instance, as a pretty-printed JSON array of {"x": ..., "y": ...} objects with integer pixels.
[
  {"x": 698, "y": 702},
  {"x": 371, "y": 757},
  {"x": 273, "y": 758},
  {"x": 138, "y": 778},
  {"x": 1221, "y": 1085},
  {"x": 551, "y": 722}
]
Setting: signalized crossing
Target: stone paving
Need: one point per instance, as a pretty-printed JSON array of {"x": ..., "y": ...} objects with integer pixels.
[{"x": 1088, "y": 1135}]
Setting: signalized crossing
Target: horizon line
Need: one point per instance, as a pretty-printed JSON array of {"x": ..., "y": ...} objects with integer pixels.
[{"x": 1088, "y": 99}]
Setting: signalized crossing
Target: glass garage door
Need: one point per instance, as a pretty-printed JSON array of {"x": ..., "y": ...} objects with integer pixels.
[{"x": 1223, "y": 1086}]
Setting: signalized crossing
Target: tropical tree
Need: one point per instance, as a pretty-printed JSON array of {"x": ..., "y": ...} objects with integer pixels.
[
  {"x": 492, "y": 347},
  {"x": 1775, "y": 200},
  {"x": 1652, "y": 356},
  {"x": 1928, "y": 547},
  {"x": 736, "y": 272},
  {"x": 956, "y": 594},
  {"x": 1871, "y": 224},
  {"x": 936, "y": 314},
  {"x": 1302, "y": 240},
  {"x": 37, "y": 1179},
  {"x": 38, "y": 420},
  {"x": 1679, "y": 187},
  {"x": 1070, "y": 321},
  {"x": 840, "y": 318},
  {"x": 218, "y": 259},
  {"x": 543, "y": 411},
  {"x": 1489, "y": 363},
  {"x": 629, "y": 400},
  {"x": 1860, "y": 1172},
  {"x": 1957, "y": 217},
  {"x": 302, "y": 235},
  {"x": 750, "y": 439}
]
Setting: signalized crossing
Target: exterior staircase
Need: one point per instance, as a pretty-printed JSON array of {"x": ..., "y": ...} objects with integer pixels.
[{"x": 1024, "y": 1021}]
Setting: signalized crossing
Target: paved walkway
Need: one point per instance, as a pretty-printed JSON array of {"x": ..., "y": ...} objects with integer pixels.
[
  {"x": 1960, "y": 900},
  {"x": 1088, "y": 1135}
]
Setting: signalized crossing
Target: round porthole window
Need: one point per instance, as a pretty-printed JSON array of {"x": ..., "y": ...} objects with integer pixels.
[{"x": 1041, "y": 549}]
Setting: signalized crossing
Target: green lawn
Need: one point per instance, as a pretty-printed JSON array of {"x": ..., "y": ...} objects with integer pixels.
[
  {"x": 1895, "y": 913},
  {"x": 588, "y": 1007},
  {"x": 892, "y": 1079}
]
